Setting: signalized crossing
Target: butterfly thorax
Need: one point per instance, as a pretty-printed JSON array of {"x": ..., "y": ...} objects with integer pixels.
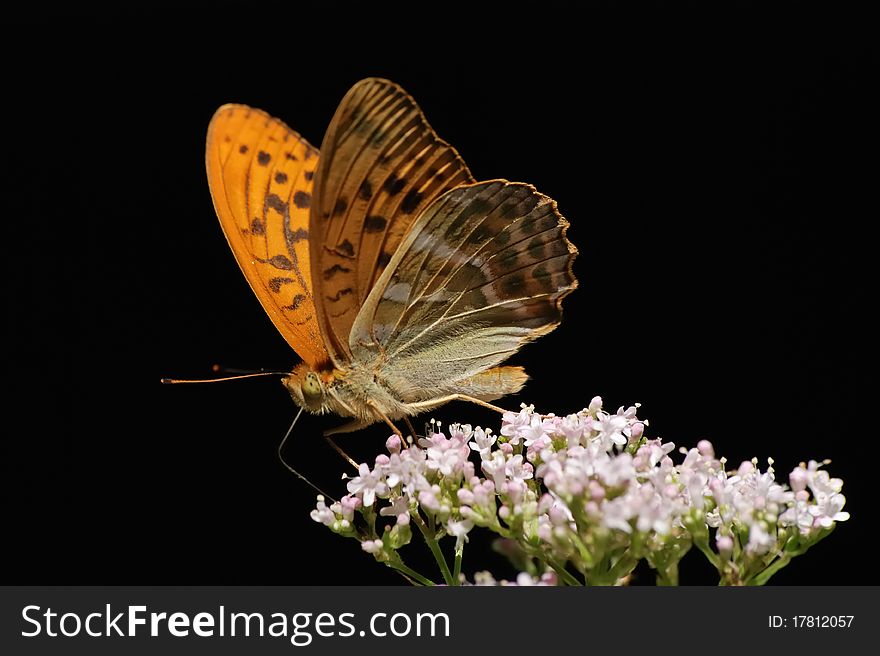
[{"x": 351, "y": 392}]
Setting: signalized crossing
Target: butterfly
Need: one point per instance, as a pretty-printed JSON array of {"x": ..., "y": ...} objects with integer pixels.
[{"x": 400, "y": 281}]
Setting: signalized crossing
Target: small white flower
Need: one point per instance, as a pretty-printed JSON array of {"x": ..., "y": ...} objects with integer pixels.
[
  {"x": 322, "y": 514},
  {"x": 573, "y": 427},
  {"x": 399, "y": 508},
  {"x": 367, "y": 485},
  {"x": 516, "y": 470},
  {"x": 482, "y": 442},
  {"x": 610, "y": 429},
  {"x": 514, "y": 423},
  {"x": 459, "y": 530},
  {"x": 496, "y": 469},
  {"x": 829, "y": 509},
  {"x": 760, "y": 541}
]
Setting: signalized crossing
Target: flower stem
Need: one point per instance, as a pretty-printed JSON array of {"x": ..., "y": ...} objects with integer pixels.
[
  {"x": 428, "y": 534},
  {"x": 411, "y": 573},
  {"x": 456, "y": 572},
  {"x": 564, "y": 574}
]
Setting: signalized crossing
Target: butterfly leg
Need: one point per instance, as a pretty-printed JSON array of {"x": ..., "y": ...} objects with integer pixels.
[
  {"x": 339, "y": 450},
  {"x": 412, "y": 431},
  {"x": 385, "y": 418}
]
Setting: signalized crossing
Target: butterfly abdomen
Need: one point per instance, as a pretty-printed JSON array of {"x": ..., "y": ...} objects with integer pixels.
[{"x": 494, "y": 383}]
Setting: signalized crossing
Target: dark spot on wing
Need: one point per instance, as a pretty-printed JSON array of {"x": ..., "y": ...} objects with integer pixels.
[
  {"x": 258, "y": 227},
  {"x": 375, "y": 224},
  {"x": 243, "y": 149},
  {"x": 297, "y": 301},
  {"x": 411, "y": 201},
  {"x": 290, "y": 156},
  {"x": 536, "y": 248},
  {"x": 279, "y": 262},
  {"x": 383, "y": 259},
  {"x": 302, "y": 199},
  {"x": 332, "y": 271},
  {"x": 281, "y": 178},
  {"x": 543, "y": 277},
  {"x": 394, "y": 185},
  {"x": 274, "y": 202},
  {"x": 513, "y": 285},
  {"x": 506, "y": 261},
  {"x": 480, "y": 234},
  {"x": 263, "y": 158},
  {"x": 548, "y": 222},
  {"x": 340, "y": 294},
  {"x": 297, "y": 235},
  {"x": 477, "y": 207},
  {"x": 502, "y": 238},
  {"x": 346, "y": 248},
  {"x": 509, "y": 210},
  {"x": 340, "y": 206},
  {"x": 366, "y": 190},
  {"x": 308, "y": 175},
  {"x": 275, "y": 283}
]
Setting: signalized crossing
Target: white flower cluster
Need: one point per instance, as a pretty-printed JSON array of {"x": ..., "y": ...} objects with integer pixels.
[{"x": 587, "y": 492}]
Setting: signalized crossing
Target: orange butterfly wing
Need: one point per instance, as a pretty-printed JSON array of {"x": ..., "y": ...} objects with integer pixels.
[
  {"x": 260, "y": 175},
  {"x": 381, "y": 165}
]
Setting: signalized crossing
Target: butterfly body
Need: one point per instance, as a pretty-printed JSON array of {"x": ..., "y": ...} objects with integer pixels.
[
  {"x": 401, "y": 282},
  {"x": 362, "y": 395}
]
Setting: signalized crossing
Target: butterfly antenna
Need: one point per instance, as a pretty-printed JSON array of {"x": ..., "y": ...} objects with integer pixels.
[
  {"x": 292, "y": 470},
  {"x": 219, "y": 368},
  {"x": 178, "y": 381}
]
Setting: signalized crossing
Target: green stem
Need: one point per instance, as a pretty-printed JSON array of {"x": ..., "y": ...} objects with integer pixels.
[
  {"x": 563, "y": 573},
  {"x": 764, "y": 575},
  {"x": 703, "y": 546},
  {"x": 411, "y": 573},
  {"x": 624, "y": 565},
  {"x": 428, "y": 534},
  {"x": 456, "y": 572},
  {"x": 668, "y": 576}
]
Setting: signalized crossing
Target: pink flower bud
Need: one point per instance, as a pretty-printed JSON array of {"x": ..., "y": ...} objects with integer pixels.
[
  {"x": 705, "y": 448},
  {"x": 557, "y": 516},
  {"x": 637, "y": 430},
  {"x": 393, "y": 444},
  {"x": 798, "y": 479},
  {"x": 465, "y": 496},
  {"x": 724, "y": 543}
]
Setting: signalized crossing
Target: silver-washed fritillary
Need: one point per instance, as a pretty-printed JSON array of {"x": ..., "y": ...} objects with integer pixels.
[{"x": 400, "y": 281}]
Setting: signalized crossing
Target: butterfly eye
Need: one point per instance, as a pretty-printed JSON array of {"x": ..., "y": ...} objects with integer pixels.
[{"x": 311, "y": 387}]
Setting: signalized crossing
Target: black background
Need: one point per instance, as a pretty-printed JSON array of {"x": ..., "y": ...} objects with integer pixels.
[{"x": 714, "y": 167}]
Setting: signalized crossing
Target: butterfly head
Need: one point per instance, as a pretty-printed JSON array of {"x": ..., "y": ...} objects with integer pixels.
[{"x": 308, "y": 389}]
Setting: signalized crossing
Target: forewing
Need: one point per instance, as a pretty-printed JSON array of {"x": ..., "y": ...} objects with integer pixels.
[
  {"x": 482, "y": 271},
  {"x": 381, "y": 165},
  {"x": 260, "y": 174}
]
